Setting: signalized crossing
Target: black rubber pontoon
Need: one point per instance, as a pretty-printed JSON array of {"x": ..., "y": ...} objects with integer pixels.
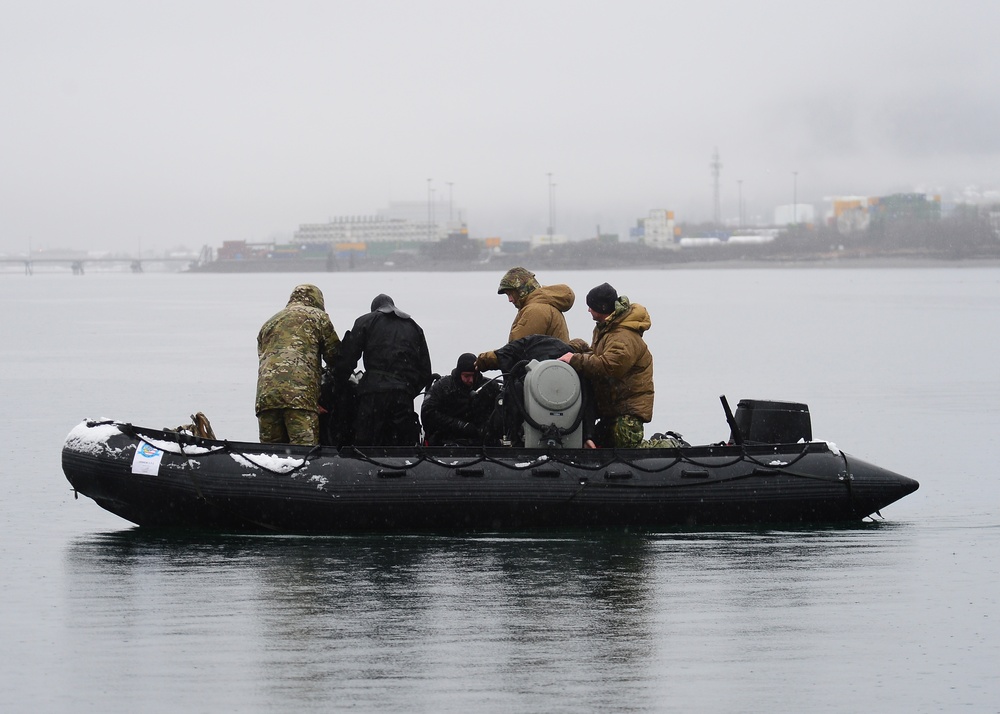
[{"x": 158, "y": 479}]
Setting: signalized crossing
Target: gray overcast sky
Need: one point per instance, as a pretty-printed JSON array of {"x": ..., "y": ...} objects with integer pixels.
[{"x": 189, "y": 123}]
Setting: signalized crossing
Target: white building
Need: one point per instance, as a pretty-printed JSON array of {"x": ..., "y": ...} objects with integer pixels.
[
  {"x": 407, "y": 222},
  {"x": 658, "y": 229},
  {"x": 794, "y": 213},
  {"x": 367, "y": 229},
  {"x": 850, "y": 214},
  {"x": 699, "y": 241},
  {"x": 994, "y": 215},
  {"x": 547, "y": 239}
]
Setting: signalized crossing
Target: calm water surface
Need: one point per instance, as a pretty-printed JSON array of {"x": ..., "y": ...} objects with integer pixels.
[{"x": 898, "y": 366}]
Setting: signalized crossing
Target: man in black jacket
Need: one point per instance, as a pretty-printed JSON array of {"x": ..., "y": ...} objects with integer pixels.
[
  {"x": 397, "y": 368},
  {"x": 458, "y": 406}
]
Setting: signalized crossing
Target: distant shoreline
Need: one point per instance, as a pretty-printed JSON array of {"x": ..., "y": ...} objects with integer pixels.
[
  {"x": 540, "y": 262},
  {"x": 548, "y": 262},
  {"x": 837, "y": 263}
]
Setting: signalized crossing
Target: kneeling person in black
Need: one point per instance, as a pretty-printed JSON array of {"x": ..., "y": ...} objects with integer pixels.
[{"x": 458, "y": 405}]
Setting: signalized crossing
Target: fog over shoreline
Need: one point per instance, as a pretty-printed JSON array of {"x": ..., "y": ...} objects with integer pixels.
[{"x": 192, "y": 123}]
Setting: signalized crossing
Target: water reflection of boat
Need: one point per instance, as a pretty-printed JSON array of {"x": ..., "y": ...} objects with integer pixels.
[{"x": 164, "y": 479}]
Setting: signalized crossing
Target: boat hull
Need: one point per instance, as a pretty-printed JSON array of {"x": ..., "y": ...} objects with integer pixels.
[{"x": 218, "y": 485}]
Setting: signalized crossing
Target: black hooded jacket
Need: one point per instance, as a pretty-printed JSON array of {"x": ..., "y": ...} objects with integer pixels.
[{"x": 395, "y": 352}]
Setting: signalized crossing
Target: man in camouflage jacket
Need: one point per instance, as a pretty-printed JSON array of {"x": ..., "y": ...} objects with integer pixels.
[{"x": 289, "y": 348}]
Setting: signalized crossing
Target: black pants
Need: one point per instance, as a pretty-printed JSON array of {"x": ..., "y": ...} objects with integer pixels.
[{"x": 386, "y": 419}]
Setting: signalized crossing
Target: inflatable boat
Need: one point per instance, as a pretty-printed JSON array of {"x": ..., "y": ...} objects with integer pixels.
[{"x": 770, "y": 472}]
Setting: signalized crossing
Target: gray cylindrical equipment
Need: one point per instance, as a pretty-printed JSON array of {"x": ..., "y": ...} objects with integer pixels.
[{"x": 552, "y": 396}]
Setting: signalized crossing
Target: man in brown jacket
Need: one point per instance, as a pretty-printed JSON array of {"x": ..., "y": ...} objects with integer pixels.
[
  {"x": 539, "y": 310},
  {"x": 618, "y": 365}
]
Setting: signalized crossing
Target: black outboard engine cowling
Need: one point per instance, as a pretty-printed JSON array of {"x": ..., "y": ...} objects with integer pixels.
[{"x": 765, "y": 422}]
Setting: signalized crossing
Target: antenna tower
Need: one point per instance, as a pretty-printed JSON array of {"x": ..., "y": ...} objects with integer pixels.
[{"x": 716, "y": 167}]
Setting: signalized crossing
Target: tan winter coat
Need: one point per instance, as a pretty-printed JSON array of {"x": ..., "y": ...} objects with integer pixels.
[
  {"x": 619, "y": 364},
  {"x": 541, "y": 313}
]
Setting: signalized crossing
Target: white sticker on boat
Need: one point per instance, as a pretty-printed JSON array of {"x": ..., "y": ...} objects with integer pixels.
[{"x": 147, "y": 459}]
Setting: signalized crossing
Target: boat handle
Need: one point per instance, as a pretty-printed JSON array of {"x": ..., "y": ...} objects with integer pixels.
[
  {"x": 694, "y": 473},
  {"x": 617, "y": 475},
  {"x": 545, "y": 473},
  {"x": 470, "y": 472},
  {"x": 391, "y": 473}
]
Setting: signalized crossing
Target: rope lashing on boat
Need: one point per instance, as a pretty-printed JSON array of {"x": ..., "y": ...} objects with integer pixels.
[
  {"x": 225, "y": 447},
  {"x": 298, "y": 467},
  {"x": 420, "y": 455},
  {"x": 551, "y": 457}
]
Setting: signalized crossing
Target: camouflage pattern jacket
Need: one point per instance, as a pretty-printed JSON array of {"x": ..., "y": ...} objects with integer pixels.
[
  {"x": 618, "y": 363},
  {"x": 289, "y": 348}
]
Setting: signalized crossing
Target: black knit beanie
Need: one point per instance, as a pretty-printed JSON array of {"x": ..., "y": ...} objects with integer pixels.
[{"x": 602, "y": 299}]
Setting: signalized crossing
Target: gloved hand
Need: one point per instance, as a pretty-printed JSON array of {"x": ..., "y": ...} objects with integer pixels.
[{"x": 487, "y": 361}]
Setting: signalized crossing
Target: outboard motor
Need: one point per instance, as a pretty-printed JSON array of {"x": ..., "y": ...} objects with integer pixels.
[
  {"x": 766, "y": 422},
  {"x": 553, "y": 405}
]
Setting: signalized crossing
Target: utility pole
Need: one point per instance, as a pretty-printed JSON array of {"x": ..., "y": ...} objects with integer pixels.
[
  {"x": 739, "y": 207},
  {"x": 716, "y": 167},
  {"x": 450, "y": 204},
  {"x": 430, "y": 210},
  {"x": 795, "y": 197},
  {"x": 552, "y": 210}
]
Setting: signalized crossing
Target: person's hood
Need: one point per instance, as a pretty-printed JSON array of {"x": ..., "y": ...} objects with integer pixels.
[
  {"x": 383, "y": 303},
  {"x": 630, "y": 315},
  {"x": 561, "y": 297},
  {"x": 308, "y": 295}
]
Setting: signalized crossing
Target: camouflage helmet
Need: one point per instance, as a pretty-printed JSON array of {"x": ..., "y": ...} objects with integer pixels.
[{"x": 520, "y": 280}]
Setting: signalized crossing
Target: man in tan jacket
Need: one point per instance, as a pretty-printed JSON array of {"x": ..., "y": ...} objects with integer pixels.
[
  {"x": 539, "y": 310},
  {"x": 618, "y": 365}
]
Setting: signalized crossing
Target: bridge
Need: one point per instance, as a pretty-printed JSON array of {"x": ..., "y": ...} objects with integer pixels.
[{"x": 76, "y": 263}]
